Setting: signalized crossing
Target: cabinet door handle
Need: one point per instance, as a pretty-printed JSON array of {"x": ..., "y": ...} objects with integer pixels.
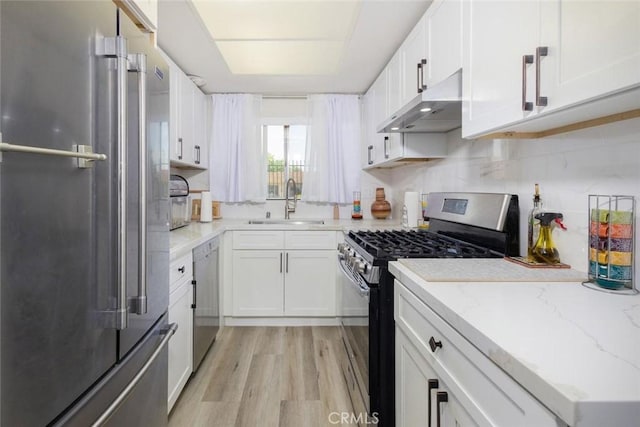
[
  {"x": 195, "y": 290},
  {"x": 369, "y": 155},
  {"x": 434, "y": 344},
  {"x": 286, "y": 263},
  {"x": 541, "y": 101},
  {"x": 197, "y": 153},
  {"x": 418, "y": 68},
  {"x": 526, "y": 59},
  {"x": 421, "y": 85},
  {"x": 280, "y": 262},
  {"x": 386, "y": 147},
  {"x": 441, "y": 397},
  {"x": 431, "y": 384},
  {"x": 180, "y": 146}
]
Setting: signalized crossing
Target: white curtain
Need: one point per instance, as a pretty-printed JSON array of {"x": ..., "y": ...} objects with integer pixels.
[
  {"x": 333, "y": 149},
  {"x": 237, "y": 165}
]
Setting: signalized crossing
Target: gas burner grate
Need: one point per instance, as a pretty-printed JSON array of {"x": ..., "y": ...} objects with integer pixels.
[{"x": 416, "y": 244}]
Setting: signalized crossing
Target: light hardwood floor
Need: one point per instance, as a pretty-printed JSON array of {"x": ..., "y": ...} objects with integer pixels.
[{"x": 267, "y": 376}]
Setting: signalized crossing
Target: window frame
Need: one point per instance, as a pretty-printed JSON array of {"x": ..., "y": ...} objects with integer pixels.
[{"x": 286, "y": 124}]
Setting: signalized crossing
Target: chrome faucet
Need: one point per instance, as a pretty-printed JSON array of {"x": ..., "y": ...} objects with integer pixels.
[{"x": 287, "y": 206}]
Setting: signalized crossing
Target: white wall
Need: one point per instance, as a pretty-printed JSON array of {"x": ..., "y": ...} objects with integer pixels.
[
  {"x": 369, "y": 183},
  {"x": 568, "y": 167}
]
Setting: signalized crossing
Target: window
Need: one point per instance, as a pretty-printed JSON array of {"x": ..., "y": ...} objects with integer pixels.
[{"x": 286, "y": 153}]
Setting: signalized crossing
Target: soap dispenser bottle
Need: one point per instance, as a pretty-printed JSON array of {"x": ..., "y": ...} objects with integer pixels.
[
  {"x": 545, "y": 250},
  {"x": 533, "y": 224}
]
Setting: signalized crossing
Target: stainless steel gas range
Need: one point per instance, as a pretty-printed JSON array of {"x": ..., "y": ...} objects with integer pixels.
[{"x": 462, "y": 225}]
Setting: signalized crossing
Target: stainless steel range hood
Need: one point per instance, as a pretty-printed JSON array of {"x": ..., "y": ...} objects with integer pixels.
[{"x": 437, "y": 109}]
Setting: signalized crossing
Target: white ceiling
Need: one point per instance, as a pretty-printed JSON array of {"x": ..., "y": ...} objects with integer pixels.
[{"x": 340, "y": 55}]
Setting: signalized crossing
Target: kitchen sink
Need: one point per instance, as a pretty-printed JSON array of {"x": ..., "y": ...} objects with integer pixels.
[{"x": 286, "y": 221}]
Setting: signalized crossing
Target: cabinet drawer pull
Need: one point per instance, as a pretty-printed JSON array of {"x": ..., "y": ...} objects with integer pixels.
[
  {"x": 434, "y": 344},
  {"x": 181, "y": 269},
  {"x": 541, "y": 101},
  {"x": 526, "y": 59},
  {"x": 441, "y": 397},
  {"x": 431, "y": 384}
]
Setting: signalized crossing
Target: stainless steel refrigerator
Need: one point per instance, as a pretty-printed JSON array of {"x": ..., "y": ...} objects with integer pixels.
[{"x": 84, "y": 214}]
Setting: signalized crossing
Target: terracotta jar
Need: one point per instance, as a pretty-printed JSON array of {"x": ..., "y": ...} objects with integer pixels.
[{"x": 380, "y": 209}]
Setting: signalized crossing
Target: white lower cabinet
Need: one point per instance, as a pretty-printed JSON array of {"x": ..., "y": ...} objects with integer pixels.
[
  {"x": 309, "y": 288},
  {"x": 181, "y": 344},
  {"x": 284, "y": 273},
  {"x": 420, "y": 395},
  {"x": 257, "y": 283},
  {"x": 441, "y": 375}
]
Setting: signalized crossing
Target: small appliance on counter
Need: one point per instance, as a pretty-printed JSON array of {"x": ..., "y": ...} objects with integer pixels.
[{"x": 180, "y": 205}]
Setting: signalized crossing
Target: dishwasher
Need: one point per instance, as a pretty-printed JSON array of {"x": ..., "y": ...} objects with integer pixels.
[{"x": 206, "y": 312}]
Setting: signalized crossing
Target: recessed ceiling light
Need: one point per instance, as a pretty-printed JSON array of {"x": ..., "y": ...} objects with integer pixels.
[
  {"x": 395, "y": 128},
  {"x": 425, "y": 110}
]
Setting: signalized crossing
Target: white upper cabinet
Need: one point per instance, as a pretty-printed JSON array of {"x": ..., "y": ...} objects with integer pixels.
[
  {"x": 413, "y": 54},
  {"x": 443, "y": 38},
  {"x": 380, "y": 104},
  {"x": 188, "y": 122},
  {"x": 375, "y": 106},
  {"x": 497, "y": 37},
  {"x": 394, "y": 85},
  {"x": 537, "y": 65},
  {"x": 409, "y": 147},
  {"x": 593, "y": 49},
  {"x": 433, "y": 49}
]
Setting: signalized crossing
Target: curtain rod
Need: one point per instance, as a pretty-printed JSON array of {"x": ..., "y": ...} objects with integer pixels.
[
  {"x": 284, "y": 96},
  {"x": 298, "y": 96}
]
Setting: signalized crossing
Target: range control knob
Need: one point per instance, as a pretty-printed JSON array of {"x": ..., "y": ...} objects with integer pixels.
[
  {"x": 355, "y": 260},
  {"x": 341, "y": 247},
  {"x": 361, "y": 266}
]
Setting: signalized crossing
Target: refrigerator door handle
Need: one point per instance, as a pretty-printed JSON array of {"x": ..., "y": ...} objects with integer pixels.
[
  {"x": 138, "y": 64},
  {"x": 168, "y": 333},
  {"x": 116, "y": 47}
]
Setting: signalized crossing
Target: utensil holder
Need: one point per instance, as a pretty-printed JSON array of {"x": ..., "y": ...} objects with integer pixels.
[{"x": 611, "y": 253}]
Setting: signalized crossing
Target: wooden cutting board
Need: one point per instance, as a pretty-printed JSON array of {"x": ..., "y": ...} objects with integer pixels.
[{"x": 487, "y": 270}]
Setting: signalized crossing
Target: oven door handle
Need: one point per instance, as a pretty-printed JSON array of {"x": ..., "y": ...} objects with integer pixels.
[{"x": 363, "y": 291}]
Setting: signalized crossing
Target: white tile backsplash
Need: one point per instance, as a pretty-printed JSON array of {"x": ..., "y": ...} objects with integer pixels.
[{"x": 568, "y": 167}]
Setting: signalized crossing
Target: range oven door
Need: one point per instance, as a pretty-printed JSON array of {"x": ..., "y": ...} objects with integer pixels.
[{"x": 354, "y": 326}]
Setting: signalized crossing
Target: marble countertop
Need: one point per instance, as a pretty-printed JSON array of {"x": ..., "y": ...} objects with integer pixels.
[
  {"x": 183, "y": 240},
  {"x": 575, "y": 349}
]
